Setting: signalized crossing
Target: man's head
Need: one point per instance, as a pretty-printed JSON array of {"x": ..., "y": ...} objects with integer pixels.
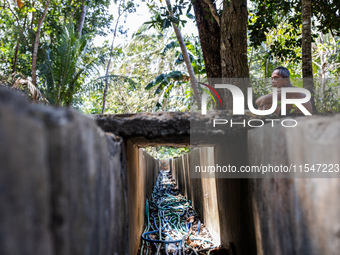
[{"x": 280, "y": 77}]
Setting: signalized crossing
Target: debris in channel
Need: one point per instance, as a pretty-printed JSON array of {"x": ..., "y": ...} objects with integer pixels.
[{"x": 171, "y": 224}]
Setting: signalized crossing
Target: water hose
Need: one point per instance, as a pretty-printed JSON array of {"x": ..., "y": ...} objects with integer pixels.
[{"x": 169, "y": 219}]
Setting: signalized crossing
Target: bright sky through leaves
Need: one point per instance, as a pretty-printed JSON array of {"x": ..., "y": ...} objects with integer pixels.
[{"x": 135, "y": 20}]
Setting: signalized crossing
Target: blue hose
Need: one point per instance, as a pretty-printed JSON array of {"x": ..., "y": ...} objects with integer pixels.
[
  {"x": 198, "y": 227},
  {"x": 166, "y": 219}
]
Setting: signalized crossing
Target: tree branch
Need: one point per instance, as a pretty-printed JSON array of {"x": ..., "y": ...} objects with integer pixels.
[
  {"x": 213, "y": 10},
  {"x": 120, "y": 13},
  {"x": 82, "y": 19},
  {"x": 36, "y": 44},
  {"x": 187, "y": 61}
]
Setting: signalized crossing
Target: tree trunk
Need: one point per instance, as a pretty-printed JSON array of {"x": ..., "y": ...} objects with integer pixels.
[
  {"x": 213, "y": 11},
  {"x": 36, "y": 44},
  {"x": 187, "y": 61},
  {"x": 109, "y": 63},
  {"x": 234, "y": 62},
  {"x": 210, "y": 37},
  {"x": 225, "y": 47},
  {"x": 234, "y": 39},
  {"x": 307, "y": 66},
  {"x": 81, "y": 20}
]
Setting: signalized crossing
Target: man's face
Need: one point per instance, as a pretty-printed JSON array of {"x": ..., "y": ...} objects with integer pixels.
[{"x": 278, "y": 81}]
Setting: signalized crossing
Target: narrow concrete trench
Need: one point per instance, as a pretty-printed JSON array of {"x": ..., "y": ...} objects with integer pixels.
[
  {"x": 203, "y": 194},
  {"x": 222, "y": 204},
  {"x": 171, "y": 224},
  {"x": 244, "y": 215},
  {"x": 72, "y": 184}
]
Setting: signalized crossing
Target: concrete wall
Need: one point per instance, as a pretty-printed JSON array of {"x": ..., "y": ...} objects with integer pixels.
[
  {"x": 66, "y": 187},
  {"x": 142, "y": 175},
  {"x": 234, "y": 201},
  {"x": 223, "y": 204},
  {"x": 297, "y": 215},
  {"x": 62, "y": 183},
  {"x": 271, "y": 215}
]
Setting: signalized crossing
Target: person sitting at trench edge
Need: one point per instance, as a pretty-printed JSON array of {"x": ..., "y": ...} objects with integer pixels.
[{"x": 281, "y": 78}]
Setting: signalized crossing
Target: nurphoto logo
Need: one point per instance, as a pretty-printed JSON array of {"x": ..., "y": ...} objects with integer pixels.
[{"x": 238, "y": 100}]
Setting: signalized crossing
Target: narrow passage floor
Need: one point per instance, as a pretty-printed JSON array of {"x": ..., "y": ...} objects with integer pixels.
[{"x": 171, "y": 224}]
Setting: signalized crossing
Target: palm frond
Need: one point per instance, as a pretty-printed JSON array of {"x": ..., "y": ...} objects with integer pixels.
[
  {"x": 165, "y": 78},
  {"x": 35, "y": 94},
  {"x": 98, "y": 83},
  {"x": 180, "y": 59},
  {"x": 170, "y": 46},
  {"x": 144, "y": 27},
  {"x": 66, "y": 66}
]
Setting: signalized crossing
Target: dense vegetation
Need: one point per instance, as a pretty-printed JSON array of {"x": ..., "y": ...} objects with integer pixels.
[{"x": 47, "y": 50}]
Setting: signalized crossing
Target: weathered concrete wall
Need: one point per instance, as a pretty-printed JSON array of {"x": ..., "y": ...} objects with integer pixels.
[
  {"x": 297, "y": 215},
  {"x": 66, "y": 188},
  {"x": 209, "y": 192},
  {"x": 223, "y": 204},
  {"x": 62, "y": 182},
  {"x": 142, "y": 174},
  {"x": 233, "y": 199},
  {"x": 178, "y": 129},
  {"x": 271, "y": 215}
]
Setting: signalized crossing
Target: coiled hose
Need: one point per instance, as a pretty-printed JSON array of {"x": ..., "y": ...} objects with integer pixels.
[{"x": 169, "y": 219}]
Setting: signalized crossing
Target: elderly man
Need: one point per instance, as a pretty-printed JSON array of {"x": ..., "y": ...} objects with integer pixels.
[{"x": 281, "y": 78}]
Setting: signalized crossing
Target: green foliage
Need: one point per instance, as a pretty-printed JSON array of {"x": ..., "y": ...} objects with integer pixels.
[
  {"x": 139, "y": 59},
  {"x": 173, "y": 85},
  {"x": 267, "y": 15},
  {"x": 65, "y": 67},
  {"x": 152, "y": 59},
  {"x": 327, "y": 97},
  {"x": 98, "y": 20},
  {"x": 98, "y": 82},
  {"x": 326, "y": 56},
  {"x": 161, "y": 18},
  {"x": 164, "y": 80},
  {"x": 278, "y": 24},
  {"x": 16, "y": 34},
  {"x": 194, "y": 51},
  {"x": 163, "y": 152},
  {"x": 261, "y": 87},
  {"x": 122, "y": 98},
  {"x": 327, "y": 13},
  {"x": 165, "y": 85}
]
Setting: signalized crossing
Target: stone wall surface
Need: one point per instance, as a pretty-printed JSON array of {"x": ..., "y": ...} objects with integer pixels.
[
  {"x": 234, "y": 200},
  {"x": 62, "y": 182}
]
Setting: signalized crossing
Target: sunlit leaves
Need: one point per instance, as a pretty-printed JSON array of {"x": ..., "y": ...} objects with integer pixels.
[
  {"x": 163, "y": 80},
  {"x": 162, "y": 19},
  {"x": 163, "y": 152}
]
